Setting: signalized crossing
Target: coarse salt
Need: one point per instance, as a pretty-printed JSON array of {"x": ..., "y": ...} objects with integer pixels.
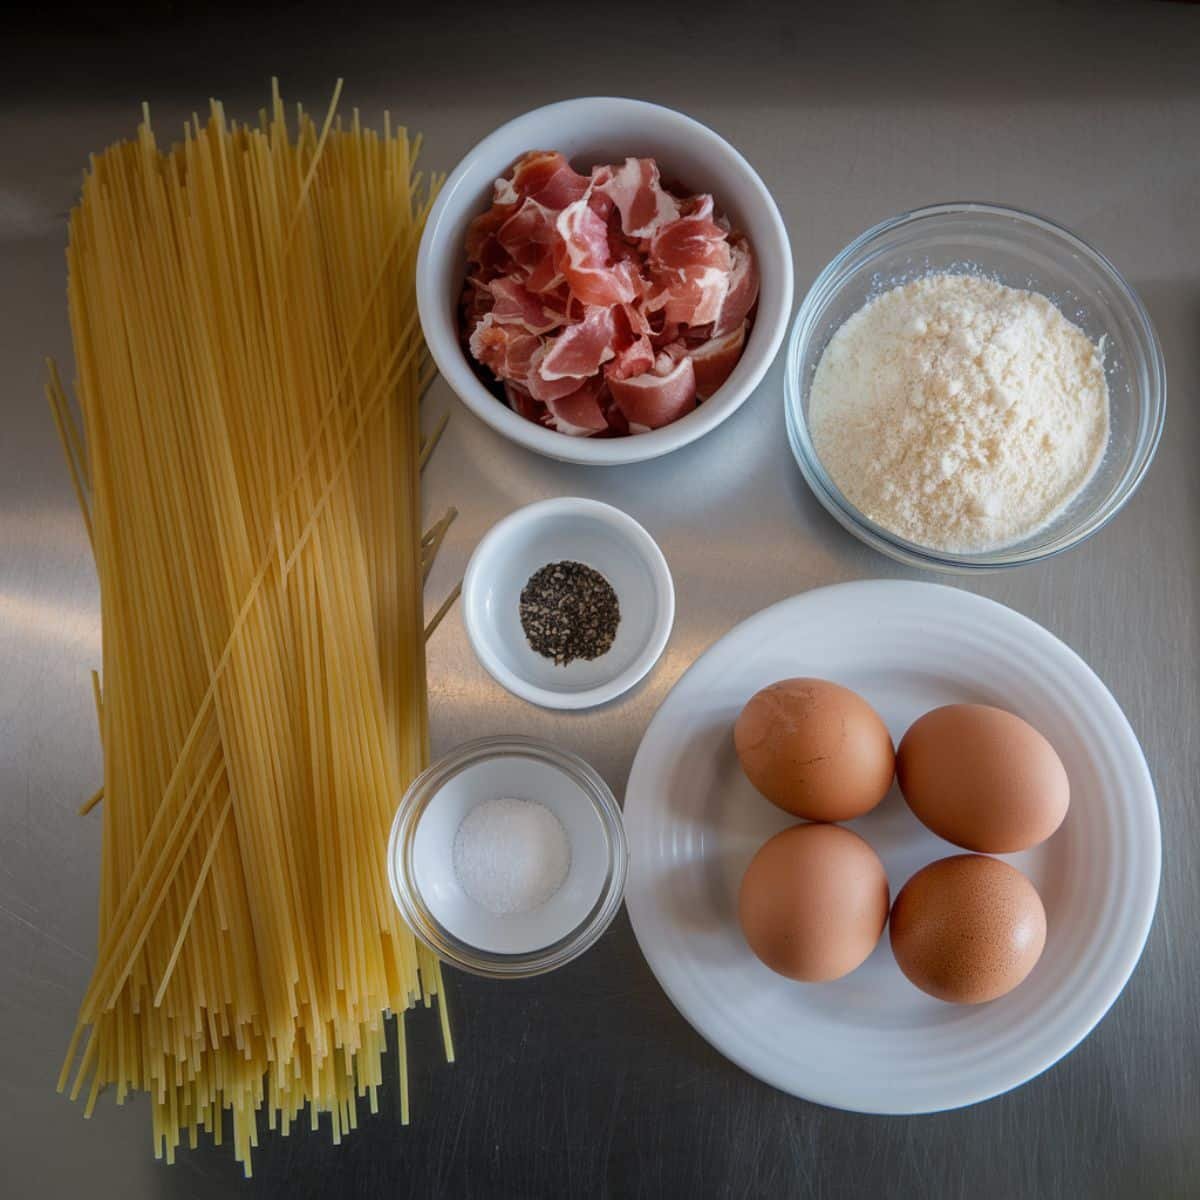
[{"x": 511, "y": 856}]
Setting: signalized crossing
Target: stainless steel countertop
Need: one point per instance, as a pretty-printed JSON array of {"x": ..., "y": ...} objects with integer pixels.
[{"x": 588, "y": 1082}]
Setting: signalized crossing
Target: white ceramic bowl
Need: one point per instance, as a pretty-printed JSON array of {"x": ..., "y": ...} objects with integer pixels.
[
  {"x": 586, "y": 531},
  {"x": 590, "y": 130}
]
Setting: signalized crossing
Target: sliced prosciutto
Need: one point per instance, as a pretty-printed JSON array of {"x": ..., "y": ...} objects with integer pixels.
[
  {"x": 487, "y": 256},
  {"x": 742, "y": 291},
  {"x": 581, "y": 348},
  {"x": 652, "y": 400},
  {"x": 691, "y": 264},
  {"x": 547, "y": 177},
  {"x": 514, "y": 304},
  {"x": 587, "y": 260},
  {"x": 543, "y": 389},
  {"x": 690, "y": 242},
  {"x": 527, "y": 235},
  {"x": 634, "y": 187},
  {"x": 506, "y": 350},
  {"x": 604, "y": 304},
  {"x": 714, "y": 360},
  {"x": 579, "y": 413},
  {"x": 636, "y": 359}
]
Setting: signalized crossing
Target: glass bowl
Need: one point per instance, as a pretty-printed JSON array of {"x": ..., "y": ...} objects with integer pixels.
[
  {"x": 439, "y": 912},
  {"x": 1023, "y": 251}
]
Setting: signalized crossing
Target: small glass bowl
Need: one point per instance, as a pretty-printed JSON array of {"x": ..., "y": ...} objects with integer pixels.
[
  {"x": 1023, "y": 251},
  {"x": 520, "y": 766}
]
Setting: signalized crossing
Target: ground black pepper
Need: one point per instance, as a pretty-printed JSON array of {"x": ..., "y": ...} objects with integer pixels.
[{"x": 569, "y": 611}]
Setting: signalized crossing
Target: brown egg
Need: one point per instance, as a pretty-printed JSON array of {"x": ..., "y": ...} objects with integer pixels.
[
  {"x": 982, "y": 778},
  {"x": 815, "y": 749},
  {"x": 968, "y": 928},
  {"x": 813, "y": 902}
]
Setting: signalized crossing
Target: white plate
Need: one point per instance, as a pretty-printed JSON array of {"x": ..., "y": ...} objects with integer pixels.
[{"x": 871, "y": 1042}]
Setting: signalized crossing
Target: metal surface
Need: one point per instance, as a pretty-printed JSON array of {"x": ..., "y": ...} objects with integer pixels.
[{"x": 587, "y": 1081}]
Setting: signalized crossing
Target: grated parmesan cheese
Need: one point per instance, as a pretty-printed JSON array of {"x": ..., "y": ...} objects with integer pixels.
[{"x": 961, "y": 414}]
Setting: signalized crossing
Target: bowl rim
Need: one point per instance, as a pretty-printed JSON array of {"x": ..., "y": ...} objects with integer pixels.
[
  {"x": 406, "y": 894},
  {"x": 1152, "y": 418},
  {"x": 647, "y": 549},
  {"x": 452, "y": 363}
]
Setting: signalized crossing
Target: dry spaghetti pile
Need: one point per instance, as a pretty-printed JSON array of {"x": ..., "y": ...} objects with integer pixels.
[{"x": 250, "y": 367}]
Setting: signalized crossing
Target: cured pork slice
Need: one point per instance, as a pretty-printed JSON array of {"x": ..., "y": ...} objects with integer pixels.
[
  {"x": 742, "y": 291},
  {"x": 698, "y": 300},
  {"x": 636, "y": 359},
  {"x": 713, "y": 361},
  {"x": 587, "y": 263},
  {"x": 606, "y": 304},
  {"x": 692, "y": 241},
  {"x": 579, "y": 413},
  {"x": 484, "y": 249},
  {"x": 506, "y": 350},
  {"x": 531, "y": 242},
  {"x": 632, "y": 321},
  {"x": 652, "y": 400},
  {"x": 514, "y": 304},
  {"x": 581, "y": 349},
  {"x": 634, "y": 187},
  {"x": 545, "y": 390},
  {"x": 547, "y": 177},
  {"x": 690, "y": 263}
]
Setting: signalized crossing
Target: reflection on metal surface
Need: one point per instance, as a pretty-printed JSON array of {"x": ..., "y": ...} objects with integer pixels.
[
  {"x": 48, "y": 620},
  {"x": 7, "y": 914},
  {"x": 44, "y": 528},
  {"x": 22, "y": 216}
]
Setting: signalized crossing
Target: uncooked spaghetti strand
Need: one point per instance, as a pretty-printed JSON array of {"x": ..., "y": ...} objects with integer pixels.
[
  {"x": 54, "y": 398},
  {"x": 153, "y": 908},
  {"x": 77, "y": 445},
  {"x": 443, "y": 1012},
  {"x": 98, "y": 701},
  {"x": 431, "y": 543},
  {"x": 430, "y": 443},
  {"x": 190, "y": 911},
  {"x": 140, "y": 893},
  {"x": 316, "y": 161},
  {"x": 446, "y": 605}
]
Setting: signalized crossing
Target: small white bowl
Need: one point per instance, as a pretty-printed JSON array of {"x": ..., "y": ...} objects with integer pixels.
[
  {"x": 434, "y": 903},
  {"x": 587, "y": 531},
  {"x": 597, "y": 129}
]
